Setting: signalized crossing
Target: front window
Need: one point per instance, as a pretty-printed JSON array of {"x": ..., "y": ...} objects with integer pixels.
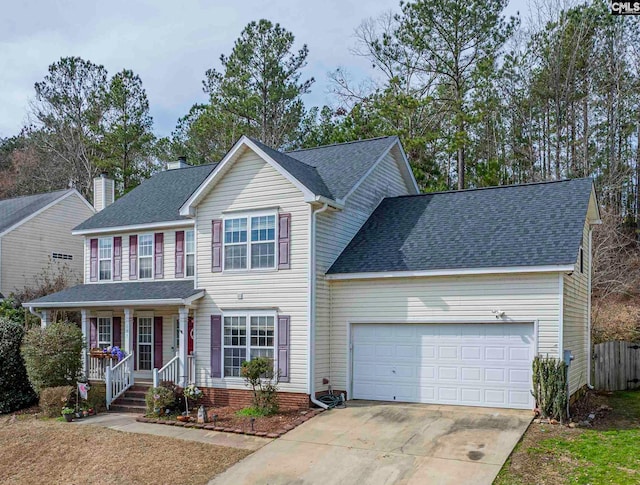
[
  {"x": 238, "y": 348},
  {"x": 105, "y": 332},
  {"x": 145, "y": 256},
  {"x": 190, "y": 253},
  {"x": 255, "y": 248},
  {"x": 105, "y": 254}
]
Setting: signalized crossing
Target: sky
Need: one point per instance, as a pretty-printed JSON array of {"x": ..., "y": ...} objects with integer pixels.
[{"x": 170, "y": 44}]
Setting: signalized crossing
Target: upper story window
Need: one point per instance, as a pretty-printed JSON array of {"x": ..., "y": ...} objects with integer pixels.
[
  {"x": 190, "y": 253},
  {"x": 145, "y": 256},
  {"x": 105, "y": 258},
  {"x": 105, "y": 332},
  {"x": 250, "y": 242}
]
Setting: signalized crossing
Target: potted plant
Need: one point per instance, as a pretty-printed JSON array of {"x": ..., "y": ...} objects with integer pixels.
[
  {"x": 67, "y": 412},
  {"x": 193, "y": 393}
]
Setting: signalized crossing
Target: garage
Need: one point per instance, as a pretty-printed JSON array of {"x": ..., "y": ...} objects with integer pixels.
[{"x": 470, "y": 364}]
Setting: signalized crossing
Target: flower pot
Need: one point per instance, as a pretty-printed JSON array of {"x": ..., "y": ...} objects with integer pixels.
[
  {"x": 68, "y": 417},
  {"x": 183, "y": 419}
]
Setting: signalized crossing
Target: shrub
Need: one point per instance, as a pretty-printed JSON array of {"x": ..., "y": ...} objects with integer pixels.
[
  {"x": 15, "y": 390},
  {"x": 53, "y": 399},
  {"x": 178, "y": 392},
  {"x": 550, "y": 387},
  {"x": 159, "y": 399},
  {"x": 97, "y": 397},
  {"x": 259, "y": 375},
  {"x": 53, "y": 355}
]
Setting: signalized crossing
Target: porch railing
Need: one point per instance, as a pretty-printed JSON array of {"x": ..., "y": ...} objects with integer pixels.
[
  {"x": 169, "y": 372},
  {"x": 119, "y": 378},
  {"x": 97, "y": 368},
  {"x": 191, "y": 369}
]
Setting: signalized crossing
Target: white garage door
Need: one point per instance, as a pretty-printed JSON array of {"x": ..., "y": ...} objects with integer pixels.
[{"x": 465, "y": 364}]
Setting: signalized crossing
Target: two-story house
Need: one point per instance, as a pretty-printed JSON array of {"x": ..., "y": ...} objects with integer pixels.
[
  {"x": 330, "y": 262},
  {"x": 35, "y": 234}
]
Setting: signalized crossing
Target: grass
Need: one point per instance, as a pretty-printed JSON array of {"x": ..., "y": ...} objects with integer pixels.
[
  {"x": 606, "y": 454},
  {"x": 251, "y": 412},
  {"x": 48, "y": 451}
]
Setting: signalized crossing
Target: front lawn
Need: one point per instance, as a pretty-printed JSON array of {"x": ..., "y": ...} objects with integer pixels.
[
  {"x": 605, "y": 454},
  {"x": 48, "y": 451}
]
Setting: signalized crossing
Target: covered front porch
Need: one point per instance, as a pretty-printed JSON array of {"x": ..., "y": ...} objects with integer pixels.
[{"x": 134, "y": 332}]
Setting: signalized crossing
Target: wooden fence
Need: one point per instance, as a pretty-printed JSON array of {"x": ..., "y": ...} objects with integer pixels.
[{"x": 617, "y": 365}]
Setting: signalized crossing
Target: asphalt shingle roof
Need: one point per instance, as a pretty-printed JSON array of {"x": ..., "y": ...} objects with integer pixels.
[
  {"x": 330, "y": 171},
  {"x": 519, "y": 225},
  {"x": 14, "y": 210},
  {"x": 342, "y": 165},
  {"x": 157, "y": 199},
  {"x": 130, "y": 291}
]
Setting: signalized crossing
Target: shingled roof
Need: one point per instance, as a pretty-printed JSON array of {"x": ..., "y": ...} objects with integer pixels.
[
  {"x": 157, "y": 199},
  {"x": 14, "y": 210},
  {"x": 140, "y": 291},
  {"x": 537, "y": 224},
  {"x": 330, "y": 171}
]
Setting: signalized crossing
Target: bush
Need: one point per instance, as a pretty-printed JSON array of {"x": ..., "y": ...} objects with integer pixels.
[
  {"x": 15, "y": 390},
  {"x": 178, "y": 393},
  {"x": 53, "y": 355},
  {"x": 159, "y": 399},
  {"x": 53, "y": 399},
  {"x": 259, "y": 375},
  {"x": 550, "y": 387},
  {"x": 97, "y": 397}
]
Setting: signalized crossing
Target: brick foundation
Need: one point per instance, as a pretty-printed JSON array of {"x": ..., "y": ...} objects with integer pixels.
[{"x": 242, "y": 397}]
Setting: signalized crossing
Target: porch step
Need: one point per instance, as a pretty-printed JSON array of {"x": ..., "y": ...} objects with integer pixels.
[
  {"x": 132, "y": 401},
  {"x": 116, "y": 408}
]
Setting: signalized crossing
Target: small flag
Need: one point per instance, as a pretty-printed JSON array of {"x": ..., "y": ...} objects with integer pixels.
[{"x": 83, "y": 389}]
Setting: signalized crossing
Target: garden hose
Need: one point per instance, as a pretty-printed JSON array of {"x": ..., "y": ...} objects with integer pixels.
[{"x": 333, "y": 401}]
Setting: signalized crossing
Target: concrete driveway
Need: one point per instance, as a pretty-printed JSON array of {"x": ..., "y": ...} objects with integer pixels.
[{"x": 378, "y": 443}]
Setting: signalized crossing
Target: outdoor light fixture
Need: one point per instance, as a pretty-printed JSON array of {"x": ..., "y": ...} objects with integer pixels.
[
  {"x": 253, "y": 420},
  {"x": 215, "y": 419}
]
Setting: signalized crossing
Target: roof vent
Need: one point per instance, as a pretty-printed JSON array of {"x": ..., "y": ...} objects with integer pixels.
[{"x": 180, "y": 163}]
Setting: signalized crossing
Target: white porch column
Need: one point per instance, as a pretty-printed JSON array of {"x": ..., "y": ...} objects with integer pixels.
[
  {"x": 128, "y": 331},
  {"x": 45, "y": 319},
  {"x": 184, "y": 345},
  {"x": 87, "y": 344}
]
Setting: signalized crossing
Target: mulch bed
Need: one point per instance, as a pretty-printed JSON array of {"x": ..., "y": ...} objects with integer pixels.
[{"x": 227, "y": 421}]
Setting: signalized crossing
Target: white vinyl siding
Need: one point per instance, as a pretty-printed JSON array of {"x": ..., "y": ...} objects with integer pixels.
[
  {"x": 251, "y": 184},
  {"x": 464, "y": 299},
  {"x": 26, "y": 251},
  {"x": 575, "y": 317},
  {"x": 334, "y": 231}
]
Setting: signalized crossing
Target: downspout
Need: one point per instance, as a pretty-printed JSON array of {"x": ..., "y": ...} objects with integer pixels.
[
  {"x": 33, "y": 312},
  {"x": 312, "y": 305},
  {"x": 589, "y": 361}
]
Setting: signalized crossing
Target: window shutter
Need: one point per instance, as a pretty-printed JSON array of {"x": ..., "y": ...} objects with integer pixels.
[
  {"x": 135, "y": 343},
  {"x": 284, "y": 241},
  {"x": 117, "y": 258},
  {"x": 157, "y": 342},
  {"x": 159, "y": 255},
  {"x": 179, "y": 254},
  {"x": 93, "y": 260},
  {"x": 216, "y": 245},
  {"x": 283, "y": 347},
  {"x": 116, "y": 339},
  {"x": 216, "y": 345},
  {"x": 133, "y": 257},
  {"x": 93, "y": 333}
]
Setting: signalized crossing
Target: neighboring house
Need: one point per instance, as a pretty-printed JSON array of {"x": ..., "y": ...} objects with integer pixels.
[
  {"x": 330, "y": 262},
  {"x": 35, "y": 231}
]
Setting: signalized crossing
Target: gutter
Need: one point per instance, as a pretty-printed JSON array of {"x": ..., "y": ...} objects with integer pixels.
[{"x": 312, "y": 306}]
